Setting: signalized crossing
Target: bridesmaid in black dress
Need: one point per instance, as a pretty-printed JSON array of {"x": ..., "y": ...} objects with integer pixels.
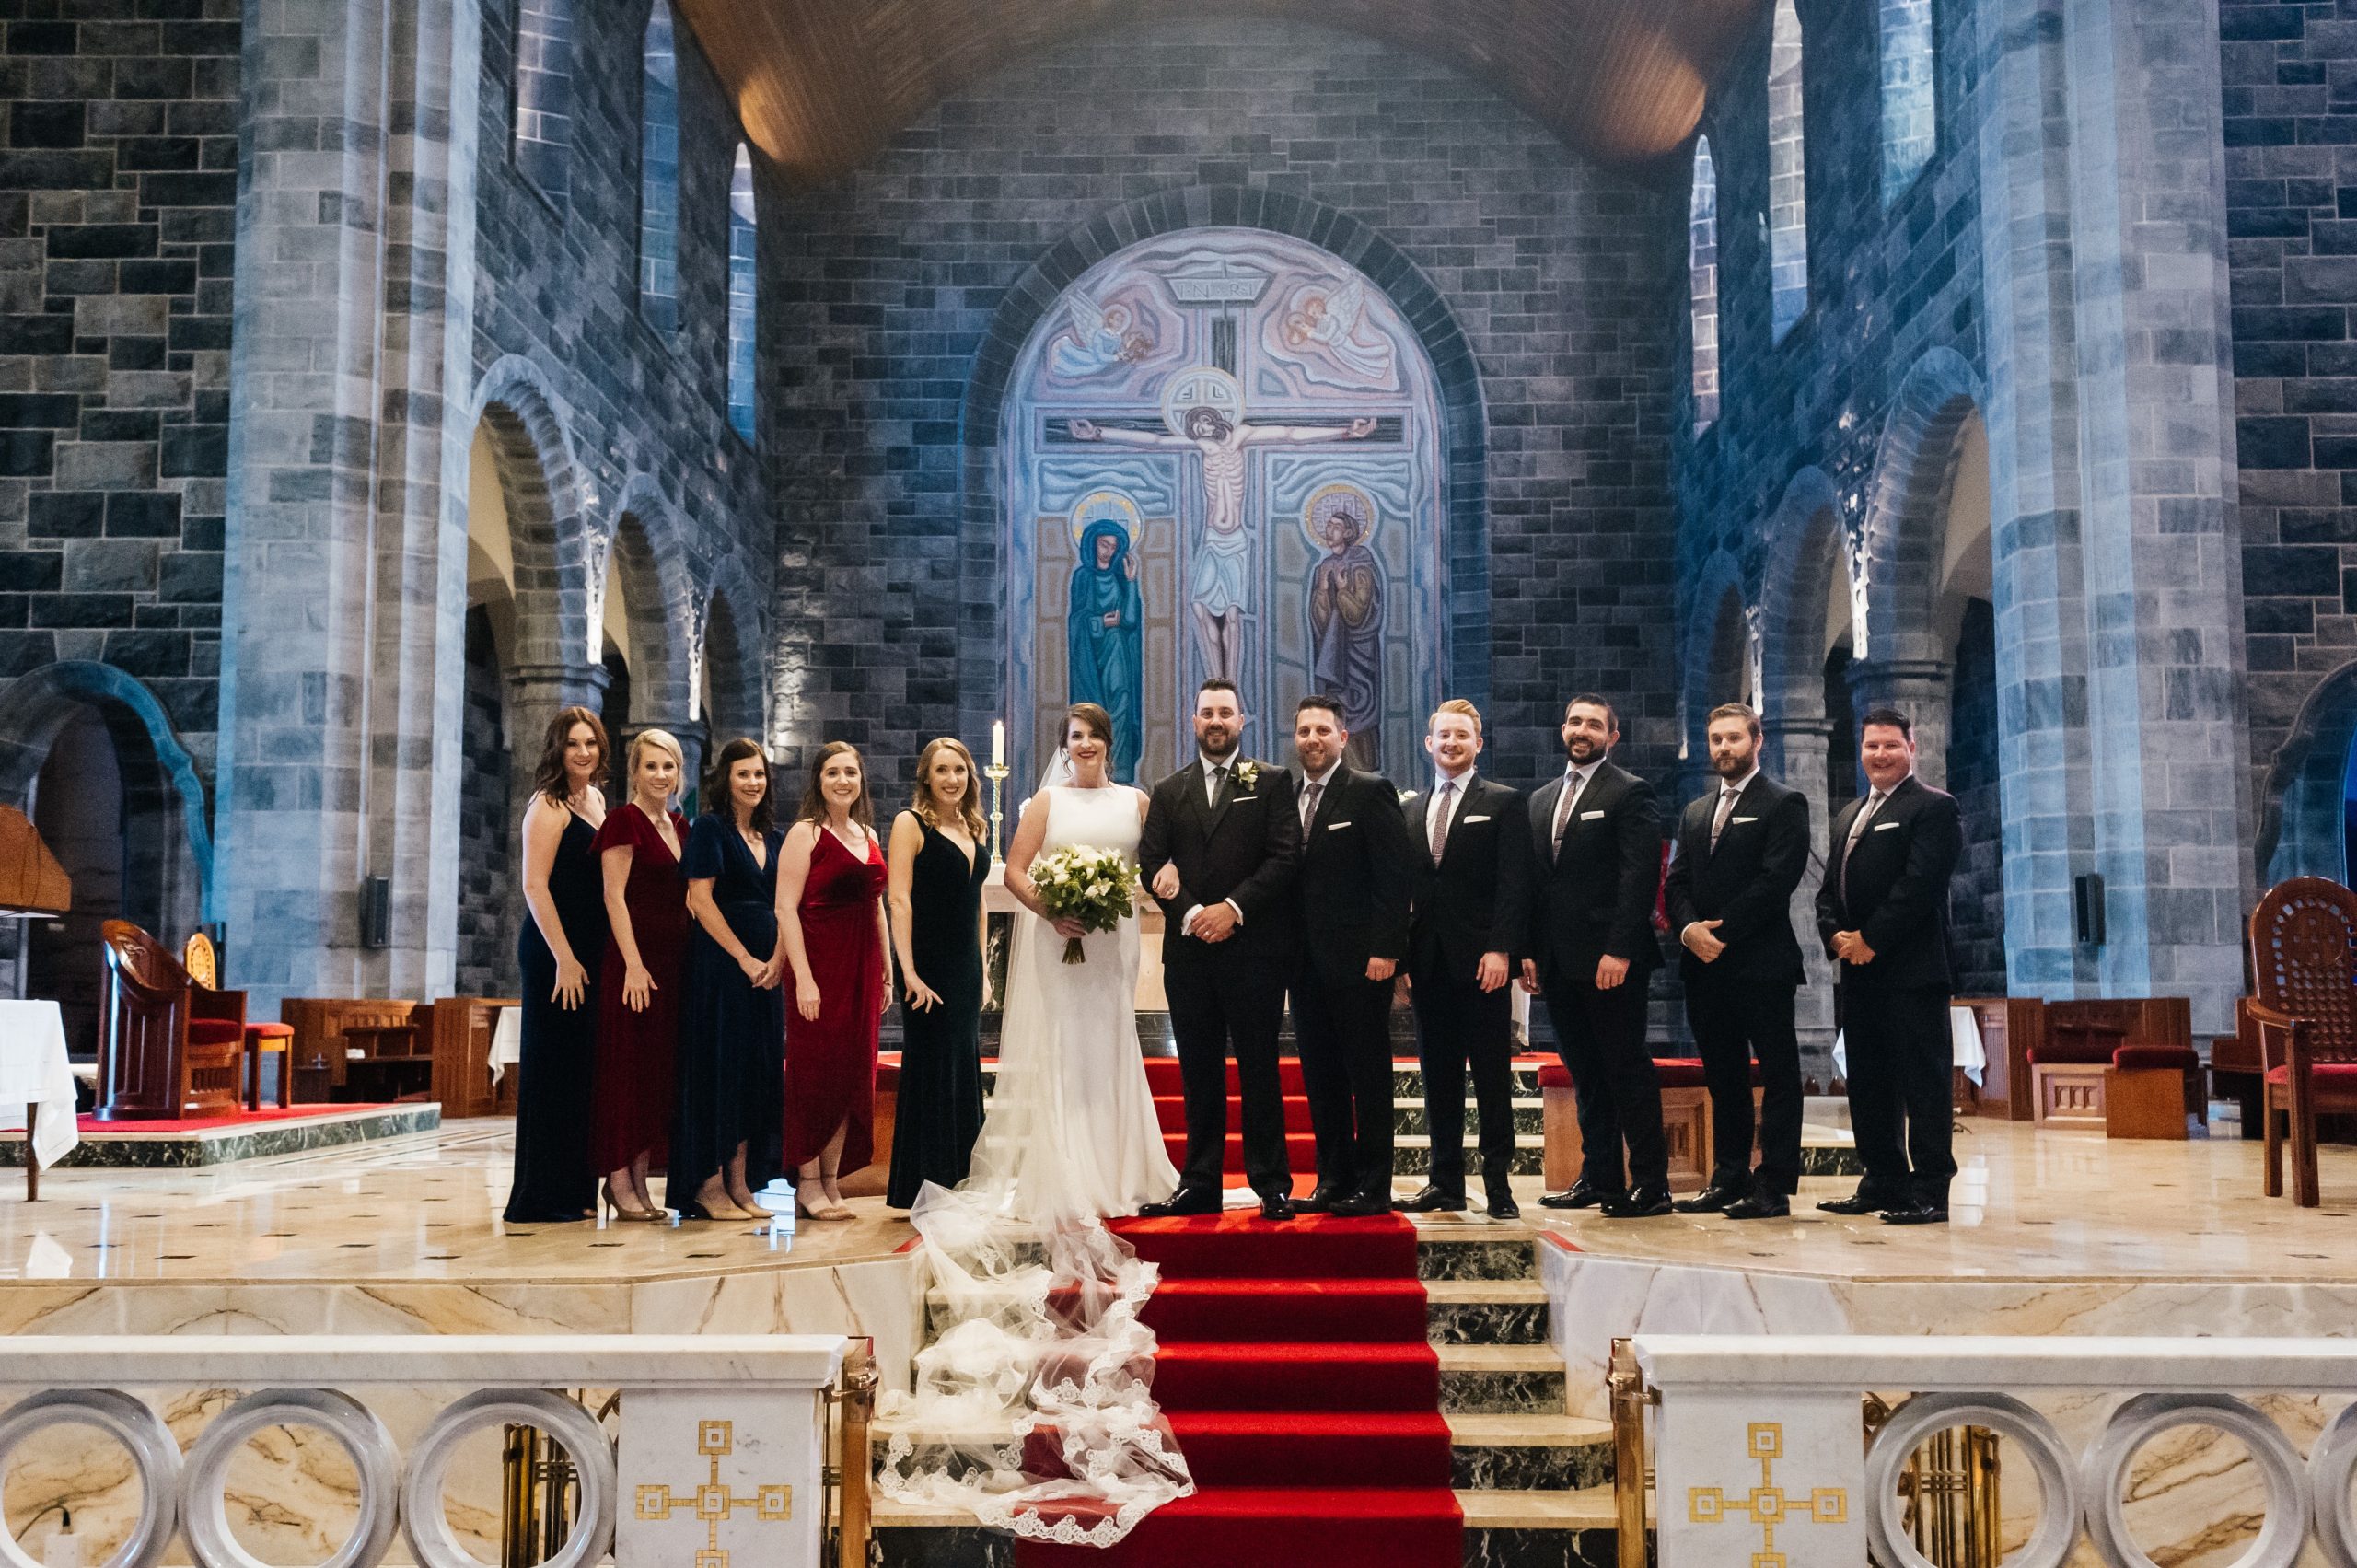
[
  {"x": 563, "y": 936},
  {"x": 731, "y": 1123},
  {"x": 938, "y": 864}
]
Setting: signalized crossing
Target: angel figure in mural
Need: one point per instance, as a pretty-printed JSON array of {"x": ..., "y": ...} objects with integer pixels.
[
  {"x": 1222, "y": 583},
  {"x": 1102, "y": 336},
  {"x": 1331, "y": 319},
  {"x": 1346, "y": 617}
]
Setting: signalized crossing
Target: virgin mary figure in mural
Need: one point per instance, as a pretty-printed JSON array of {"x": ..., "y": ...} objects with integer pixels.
[
  {"x": 1106, "y": 636},
  {"x": 1346, "y": 617}
]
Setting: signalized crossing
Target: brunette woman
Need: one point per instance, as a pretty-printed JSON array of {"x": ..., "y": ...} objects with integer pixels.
[
  {"x": 638, "y": 1022},
  {"x": 558, "y": 953},
  {"x": 938, "y": 866},
  {"x": 732, "y": 1068},
  {"x": 830, "y": 923}
]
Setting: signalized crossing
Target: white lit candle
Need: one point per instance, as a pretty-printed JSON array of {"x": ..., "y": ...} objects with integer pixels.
[{"x": 998, "y": 743}]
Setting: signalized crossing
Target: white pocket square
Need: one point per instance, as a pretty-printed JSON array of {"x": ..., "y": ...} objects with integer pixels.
[
  {"x": 1337, "y": 827},
  {"x": 1481, "y": 818},
  {"x": 1885, "y": 826},
  {"x": 1733, "y": 822},
  {"x": 1591, "y": 816}
]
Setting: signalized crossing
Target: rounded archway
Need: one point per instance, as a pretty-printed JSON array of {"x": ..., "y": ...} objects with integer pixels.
[{"x": 2305, "y": 810}]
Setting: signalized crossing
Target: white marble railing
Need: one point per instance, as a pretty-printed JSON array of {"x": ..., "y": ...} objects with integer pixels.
[
  {"x": 720, "y": 1453},
  {"x": 1761, "y": 1454}
]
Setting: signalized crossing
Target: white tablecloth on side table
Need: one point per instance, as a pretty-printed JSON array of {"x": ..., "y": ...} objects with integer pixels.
[
  {"x": 33, "y": 1071},
  {"x": 1964, "y": 1038},
  {"x": 506, "y": 1042}
]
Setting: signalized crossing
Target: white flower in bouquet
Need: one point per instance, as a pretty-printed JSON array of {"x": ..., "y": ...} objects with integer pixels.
[{"x": 1094, "y": 886}]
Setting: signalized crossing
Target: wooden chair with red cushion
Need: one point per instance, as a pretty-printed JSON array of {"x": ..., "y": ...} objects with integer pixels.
[
  {"x": 208, "y": 1003},
  {"x": 159, "y": 1058},
  {"x": 2304, "y": 972}
]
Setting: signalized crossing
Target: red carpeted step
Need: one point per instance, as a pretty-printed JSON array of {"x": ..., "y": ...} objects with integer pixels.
[
  {"x": 1313, "y": 1448},
  {"x": 1367, "y": 1526},
  {"x": 1240, "y": 1244},
  {"x": 1162, "y": 1072},
  {"x": 1170, "y": 1112},
  {"x": 1274, "y": 1374},
  {"x": 1337, "y": 1310},
  {"x": 1301, "y": 1151}
]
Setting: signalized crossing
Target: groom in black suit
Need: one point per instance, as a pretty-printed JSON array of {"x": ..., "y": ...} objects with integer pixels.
[{"x": 1220, "y": 849}]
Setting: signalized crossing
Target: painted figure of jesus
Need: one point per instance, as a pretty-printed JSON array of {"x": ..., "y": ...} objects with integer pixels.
[{"x": 1222, "y": 586}]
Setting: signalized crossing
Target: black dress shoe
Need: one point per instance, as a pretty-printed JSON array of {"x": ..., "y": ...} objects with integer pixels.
[
  {"x": 1860, "y": 1203},
  {"x": 1186, "y": 1201},
  {"x": 1916, "y": 1213},
  {"x": 1502, "y": 1206},
  {"x": 1433, "y": 1200},
  {"x": 1639, "y": 1203},
  {"x": 1277, "y": 1206},
  {"x": 1759, "y": 1206},
  {"x": 1711, "y": 1199},
  {"x": 1582, "y": 1194},
  {"x": 1322, "y": 1199},
  {"x": 1362, "y": 1205}
]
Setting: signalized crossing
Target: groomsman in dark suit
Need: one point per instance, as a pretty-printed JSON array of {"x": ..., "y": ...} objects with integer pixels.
[
  {"x": 1883, "y": 912},
  {"x": 1597, "y": 834},
  {"x": 1220, "y": 848},
  {"x": 1470, "y": 862},
  {"x": 1742, "y": 850},
  {"x": 1352, "y": 892}
]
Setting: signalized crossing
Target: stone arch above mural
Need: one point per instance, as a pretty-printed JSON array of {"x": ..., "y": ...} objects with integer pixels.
[{"x": 1039, "y": 312}]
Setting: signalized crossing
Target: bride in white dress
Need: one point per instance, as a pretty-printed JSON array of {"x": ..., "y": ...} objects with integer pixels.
[{"x": 1033, "y": 1302}]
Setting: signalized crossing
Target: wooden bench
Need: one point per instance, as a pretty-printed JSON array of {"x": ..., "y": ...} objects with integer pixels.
[{"x": 1685, "y": 1122}]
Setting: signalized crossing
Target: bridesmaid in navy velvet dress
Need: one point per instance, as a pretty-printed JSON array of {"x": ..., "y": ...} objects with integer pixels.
[
  {"x": 638, "y": 986},
  {"x": 731, "y": 1119},
  {"x": 938, "y": 866},
  {"x": 557, "y": 953}
]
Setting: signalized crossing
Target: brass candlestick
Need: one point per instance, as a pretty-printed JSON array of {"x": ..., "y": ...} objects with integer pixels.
[{"x": 996, "y": 774}]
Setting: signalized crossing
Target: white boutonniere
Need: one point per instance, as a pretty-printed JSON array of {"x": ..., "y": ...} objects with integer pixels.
[{"x": 1247, "y": 774}]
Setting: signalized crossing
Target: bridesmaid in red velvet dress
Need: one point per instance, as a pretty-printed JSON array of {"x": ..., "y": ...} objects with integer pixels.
[
  {"x": 830, "y": 920},
  {"x": 638, "y": 984}
]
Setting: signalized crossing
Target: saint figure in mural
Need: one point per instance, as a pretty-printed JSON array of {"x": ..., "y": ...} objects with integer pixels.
[
  {"x": 1106, "y": 636},
  {"x": 1346, "y": 616},
  {"x": 1222, "y": 582}
]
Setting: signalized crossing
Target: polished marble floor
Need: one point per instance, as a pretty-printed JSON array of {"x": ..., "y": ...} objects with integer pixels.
[{"x": 2028, "y": 1205}]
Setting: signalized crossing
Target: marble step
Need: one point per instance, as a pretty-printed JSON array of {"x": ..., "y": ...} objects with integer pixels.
[
  {"x": 1486, "y": 1312},
  {"x": 1528, "y": 1453},
  {"x": 1535, "y": 1529},
  {"x": 1500, "y": 1380},
  {"x": 1452, "y": 1249},
  {"x": 1412, "y": 1154},
  {"x": 1407, "y": 1115}
]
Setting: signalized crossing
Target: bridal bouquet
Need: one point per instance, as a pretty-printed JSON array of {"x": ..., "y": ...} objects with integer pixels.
[{"x": 1094, "y": 886}]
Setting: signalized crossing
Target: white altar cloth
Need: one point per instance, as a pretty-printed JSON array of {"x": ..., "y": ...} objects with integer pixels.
[
  {"x": 34, "y": 1071},
  {"x": 1964, "y": 1038}
]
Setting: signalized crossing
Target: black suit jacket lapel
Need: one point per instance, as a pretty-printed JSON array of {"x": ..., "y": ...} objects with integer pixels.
[
  {"x": 1226, "y": 793},
  {"x": 1418, "y": 809},
  {"x": 1329, "y": 800},
  {"x": 1542, "y": 818},
  {"x": 1466, "y": 798}
]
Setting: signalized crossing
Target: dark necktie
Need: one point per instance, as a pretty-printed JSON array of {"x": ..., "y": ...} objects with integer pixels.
[
  {"x": 1440, "y": 829},
  {"x": 1309, "y": 805},
  {"x": 1719, "y": 821}
]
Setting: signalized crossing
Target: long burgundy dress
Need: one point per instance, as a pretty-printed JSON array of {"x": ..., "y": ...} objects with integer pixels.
[
  {"x": 830, "y": 1059},
  {"x": 635, "y": 1079}
]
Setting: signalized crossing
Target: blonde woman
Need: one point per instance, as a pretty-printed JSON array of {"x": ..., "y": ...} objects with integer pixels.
[
  {"x": 939, "y": 863},
  {"x": 638, "y": 984}
]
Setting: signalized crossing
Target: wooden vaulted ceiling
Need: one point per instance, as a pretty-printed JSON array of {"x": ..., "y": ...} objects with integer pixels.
[{"x": 820, "y": 84}]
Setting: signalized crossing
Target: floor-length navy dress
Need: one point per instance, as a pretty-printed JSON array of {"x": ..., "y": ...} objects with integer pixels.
[{"x": 732, "y": 1037}]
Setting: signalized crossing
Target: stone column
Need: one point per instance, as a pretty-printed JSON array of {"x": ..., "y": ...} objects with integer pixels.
[
  {"x": 344, "y": 573},
  {"x": 1795, "y": 749},
  {"x": 1921, "y": 689}
]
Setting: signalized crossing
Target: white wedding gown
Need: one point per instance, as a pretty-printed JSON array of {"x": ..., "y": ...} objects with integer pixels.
[{"x": 1032, "y": 1406}]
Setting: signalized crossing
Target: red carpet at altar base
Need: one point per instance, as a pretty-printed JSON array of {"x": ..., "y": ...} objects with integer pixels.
[
  {"x": 1295, "y": 1371},
  {"x": 92, "y": 1127}
]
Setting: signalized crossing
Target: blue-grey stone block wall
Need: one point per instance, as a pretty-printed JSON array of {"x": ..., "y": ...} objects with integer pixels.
[
  {"x": 489, "y": 853},
  {"x": 118, "y": 190},
  {"x": 1976, "y": 897},
  {"x": 878, "y": 288}
]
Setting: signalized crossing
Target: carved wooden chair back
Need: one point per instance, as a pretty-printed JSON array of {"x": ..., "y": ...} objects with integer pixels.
[{"x": 2303, "y": 961}]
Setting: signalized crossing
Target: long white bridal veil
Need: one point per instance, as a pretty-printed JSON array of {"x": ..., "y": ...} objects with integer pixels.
[{"x": 1032, "y": 1404}]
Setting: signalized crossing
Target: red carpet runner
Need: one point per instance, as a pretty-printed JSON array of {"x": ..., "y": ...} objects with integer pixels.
[{"x": 1296, "y": 1370}]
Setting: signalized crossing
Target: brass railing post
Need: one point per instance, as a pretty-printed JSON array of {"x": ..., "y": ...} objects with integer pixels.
[
  {"x": 1630, "y": 1479},
  {"x": 855, "y": 1400}
]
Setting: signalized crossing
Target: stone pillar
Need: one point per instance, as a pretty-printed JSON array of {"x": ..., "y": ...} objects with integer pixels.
[
  {"x": 1795, "y": 750},
  {"x": 344, "y": 575},
  {"x": 1920, "y": 688},
  {"x": 2117, "y": 563}
]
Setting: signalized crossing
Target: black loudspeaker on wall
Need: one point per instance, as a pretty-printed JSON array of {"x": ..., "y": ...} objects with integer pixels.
[
  {"x": 2086, "y": 900},
  {"x": 375, "y": 911}
]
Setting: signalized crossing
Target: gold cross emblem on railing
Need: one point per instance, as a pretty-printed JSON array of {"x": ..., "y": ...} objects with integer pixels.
[
  {"x": 1767, "y": 1504},
  {"x": 712, "y": 1502}
]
